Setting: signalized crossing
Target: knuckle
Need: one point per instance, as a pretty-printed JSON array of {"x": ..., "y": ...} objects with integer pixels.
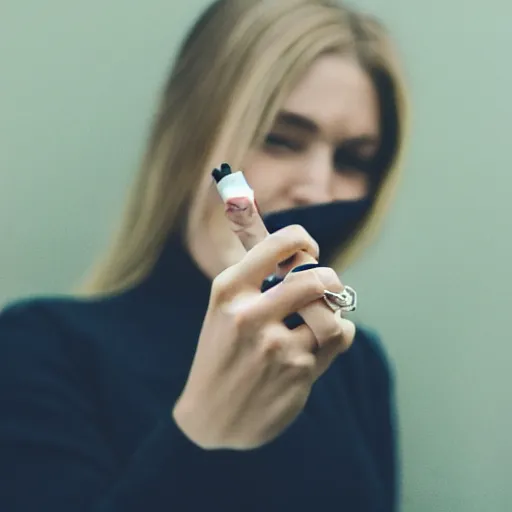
[
  {"x": 338, "y": 333},
  {"x": 348, "y": 336},
  {"x": 239, "y": 316},
  {"x": 240, "y": 319},
  {"x": 346, "y": 343},
  {"x": 301, "y": 366},
  {"x": 222, "y": 285},
  {"x": 271, "y": 346},
  {"x": 313, "y": 285},
  {"x": 334, "y": 331},
  {"x": 296, "y": 236},
  {"x": 329, "y": 278},
  {"x": 298, "y": 231},
  {"x": 308, "y": 281}
]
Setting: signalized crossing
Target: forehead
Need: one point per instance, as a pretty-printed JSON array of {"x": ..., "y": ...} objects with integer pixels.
[{"x": 339, "y": 96}]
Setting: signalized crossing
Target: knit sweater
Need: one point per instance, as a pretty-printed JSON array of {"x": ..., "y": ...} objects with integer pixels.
[{"x": 87, "y": 387}]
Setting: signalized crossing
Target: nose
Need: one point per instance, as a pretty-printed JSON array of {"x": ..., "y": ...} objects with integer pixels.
[{"x": 313, "y": 183}]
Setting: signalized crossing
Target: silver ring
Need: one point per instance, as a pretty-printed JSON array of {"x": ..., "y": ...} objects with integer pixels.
[{"x": 344, "y": 301}]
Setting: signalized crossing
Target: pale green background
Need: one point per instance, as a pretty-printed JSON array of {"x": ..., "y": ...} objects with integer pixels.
[{"x": 77, "y": 87}]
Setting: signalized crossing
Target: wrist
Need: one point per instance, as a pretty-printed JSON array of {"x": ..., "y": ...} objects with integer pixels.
[{"x": 186, "y": 417}]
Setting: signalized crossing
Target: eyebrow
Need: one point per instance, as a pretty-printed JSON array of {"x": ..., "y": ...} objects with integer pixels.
[
  {"x": 294, "y": 120},
  {"x": 287, "y": 118}
]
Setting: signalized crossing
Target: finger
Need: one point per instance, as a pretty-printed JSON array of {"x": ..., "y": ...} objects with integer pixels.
[
  {"x": 262, "y": 259},
  {"x": 247, "y": 224},
  {"x": 326, "y": 354},
  {"x": 245, "y": 221},
  {"x": 243, "y": 215},
  {"x": 322, "y": 321},
  {"x": 240, "y": 206},
  {"x": 303, "y": 339},
  {"x": 297, "y": 291}
]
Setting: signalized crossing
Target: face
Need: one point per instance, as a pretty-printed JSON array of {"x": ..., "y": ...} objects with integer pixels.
[
  {"x": 319, "y": 150},
  {"x": 323, "y": 141}
]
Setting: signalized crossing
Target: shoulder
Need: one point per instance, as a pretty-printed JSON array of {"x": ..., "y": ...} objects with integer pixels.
[
  {"x": 43, "y": 329},
  {"x": 78, "y": 331},
  {"x": 44, "y": 315},
  {"x": 29, "y": 316},
  {"x": 48, "y": 347},
  {"x": 59, "y": 314}
]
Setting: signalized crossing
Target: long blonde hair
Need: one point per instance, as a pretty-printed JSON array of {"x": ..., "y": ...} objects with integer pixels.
[{"x": 235, "y": 68}]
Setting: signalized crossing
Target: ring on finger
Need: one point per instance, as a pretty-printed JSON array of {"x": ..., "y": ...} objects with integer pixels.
[{"x": 344, "y": 301}]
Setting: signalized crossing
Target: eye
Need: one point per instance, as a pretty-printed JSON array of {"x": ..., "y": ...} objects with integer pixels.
[
  {"x": 276, "y": 141},
  {"x": 348, "y": 161}
]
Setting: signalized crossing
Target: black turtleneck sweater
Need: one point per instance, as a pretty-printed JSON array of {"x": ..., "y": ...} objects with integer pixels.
[{"x": 86, "y": 393}]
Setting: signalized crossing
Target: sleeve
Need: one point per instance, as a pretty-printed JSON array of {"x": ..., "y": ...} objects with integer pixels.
[
  {"x": 53, "y": 456},
  {"x": 386, "y": 421}
]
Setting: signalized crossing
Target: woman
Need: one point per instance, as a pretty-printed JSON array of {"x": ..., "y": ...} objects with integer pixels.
[{"x": 160, "y": 391}]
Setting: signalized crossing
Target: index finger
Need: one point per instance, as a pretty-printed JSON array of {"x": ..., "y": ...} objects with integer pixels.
[
  {"x": 246, "y": 222},
  {"x": 263, "y": 258},
  {"x": 240, "y": 206}
]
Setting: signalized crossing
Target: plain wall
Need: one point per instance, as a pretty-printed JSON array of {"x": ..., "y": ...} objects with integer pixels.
[{"x": 78, "y": 85}]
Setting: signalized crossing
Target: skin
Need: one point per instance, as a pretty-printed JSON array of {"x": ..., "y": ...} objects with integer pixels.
[
  {"x": 332, "y": 111},
  {"x": 251, "y": 376}
]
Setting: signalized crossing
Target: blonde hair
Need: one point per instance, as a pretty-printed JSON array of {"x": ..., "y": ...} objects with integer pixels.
[{"x": 235, "y": 69}]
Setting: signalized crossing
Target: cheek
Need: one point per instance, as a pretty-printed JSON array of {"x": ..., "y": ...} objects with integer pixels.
[
  {"x": 269, "y": 178},
  {"x": 350, "y": 186}
]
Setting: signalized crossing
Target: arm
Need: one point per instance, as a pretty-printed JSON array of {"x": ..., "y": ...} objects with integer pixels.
[{"x": 53, "y": 454}]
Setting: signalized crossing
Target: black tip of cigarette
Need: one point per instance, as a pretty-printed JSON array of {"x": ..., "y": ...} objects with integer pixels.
[{"x": 218, "y": 174}]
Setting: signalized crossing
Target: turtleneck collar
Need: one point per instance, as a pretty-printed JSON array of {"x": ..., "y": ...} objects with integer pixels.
[{"x": 176, "y": 277}]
